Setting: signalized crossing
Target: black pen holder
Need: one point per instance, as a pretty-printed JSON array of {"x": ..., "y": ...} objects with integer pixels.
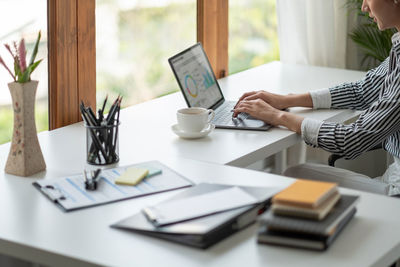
[{"x": 102, "y": 144}]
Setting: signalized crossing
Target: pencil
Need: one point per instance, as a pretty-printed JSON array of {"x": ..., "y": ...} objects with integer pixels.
[{"x": 116, "y": 131}]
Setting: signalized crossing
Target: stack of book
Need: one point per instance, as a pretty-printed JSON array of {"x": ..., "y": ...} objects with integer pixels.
[{"x": 307, "y": 214}]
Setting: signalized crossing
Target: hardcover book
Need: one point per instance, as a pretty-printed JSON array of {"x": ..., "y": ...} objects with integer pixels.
[
  {"x": 317, "y": 213},
  {"x": 305, "y": 193},
  {"x": 303, "y": 240},
  {"x": 301, "y": 225}
]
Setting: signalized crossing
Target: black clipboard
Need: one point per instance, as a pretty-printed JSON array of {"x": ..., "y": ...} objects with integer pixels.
[{"x": 65, "y": 190}]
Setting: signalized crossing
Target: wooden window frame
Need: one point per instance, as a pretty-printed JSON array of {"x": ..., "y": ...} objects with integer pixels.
[
  {"x": 72, "y": 52},
  {"x": 72, "y": 59},
  {"x": 212, "y": 32}
]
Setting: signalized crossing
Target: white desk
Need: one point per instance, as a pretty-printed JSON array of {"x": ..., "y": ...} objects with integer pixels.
[
  {"x": 147, "y": 125},
  {"x": 145, "y": 128},
  {"x": 34, "y": 229}
]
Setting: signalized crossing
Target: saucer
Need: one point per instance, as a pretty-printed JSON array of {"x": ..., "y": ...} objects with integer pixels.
[{"x": 192, "y": 135}]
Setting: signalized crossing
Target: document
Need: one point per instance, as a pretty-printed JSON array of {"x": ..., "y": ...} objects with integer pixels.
[
  {"x": 198, "y": 206},
  {"x": 207, "y": 230},
  {"x": 70, "y": 193}
]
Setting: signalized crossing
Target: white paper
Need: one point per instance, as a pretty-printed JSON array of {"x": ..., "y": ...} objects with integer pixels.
[
  {"x": 197, "y": 206},
  {"x": 75, "y": 195}
]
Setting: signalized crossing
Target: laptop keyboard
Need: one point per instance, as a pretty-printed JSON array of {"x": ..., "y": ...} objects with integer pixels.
[{"x": 224, "y": 115}]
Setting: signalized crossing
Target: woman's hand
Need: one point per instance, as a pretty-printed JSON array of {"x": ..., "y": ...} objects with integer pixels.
[
  {"x": 261, "y": 110},
  {"x": 276, "y": 101}
]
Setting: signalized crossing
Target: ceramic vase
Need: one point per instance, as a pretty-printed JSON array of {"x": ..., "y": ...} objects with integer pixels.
[{"x": 25, "y": 157}]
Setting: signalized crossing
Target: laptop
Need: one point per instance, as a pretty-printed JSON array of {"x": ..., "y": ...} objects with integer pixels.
[{"x": 200, "y": 88}]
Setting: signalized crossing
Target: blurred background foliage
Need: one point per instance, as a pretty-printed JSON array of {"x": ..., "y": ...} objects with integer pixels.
[
  {"x": 147, "y": 35},
  {"x": 375, "y": 45},
  {"x": 7, "y": 117},
  {"x": 253, "y": 34},
  {"x": 24, "y": 23},
  {"x": 135, "y": 38}
]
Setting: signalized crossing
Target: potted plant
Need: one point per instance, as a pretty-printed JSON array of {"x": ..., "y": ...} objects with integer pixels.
[{"x": 25, "y": 157}]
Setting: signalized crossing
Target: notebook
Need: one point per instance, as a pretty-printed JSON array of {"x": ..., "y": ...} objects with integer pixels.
[
  {"x": 205, "y": 231},
  {"x": 200, "y": 88},
  {"x": 324, "y": 227},
  {"x": 305, "y": 193},
  {"x": 318, "y": 213},
  {"x": 302, "y": 240}
]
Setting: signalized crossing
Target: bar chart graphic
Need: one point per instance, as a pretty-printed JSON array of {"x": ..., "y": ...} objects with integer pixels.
[{"x": 208, "y": 79}]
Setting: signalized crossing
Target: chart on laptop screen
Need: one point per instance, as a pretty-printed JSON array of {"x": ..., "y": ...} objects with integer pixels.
[{"x": 196, "y": 79}]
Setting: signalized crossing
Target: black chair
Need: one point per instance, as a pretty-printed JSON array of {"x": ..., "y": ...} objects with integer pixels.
[{"x": 334, "y": 157}]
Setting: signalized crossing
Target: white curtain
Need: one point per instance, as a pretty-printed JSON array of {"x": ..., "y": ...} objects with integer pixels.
[{"x": 311, "y": 32}]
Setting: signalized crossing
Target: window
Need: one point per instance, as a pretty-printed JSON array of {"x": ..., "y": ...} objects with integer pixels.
[
  {"x": 21, "y": 22},
  {"x": 253, "y": 37},
  {"x": 134, "y": 40},
  {"x": 136, "y": 31}
]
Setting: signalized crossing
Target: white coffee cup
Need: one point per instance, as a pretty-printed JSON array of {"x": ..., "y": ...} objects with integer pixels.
[{"x": 194, "y": 119}]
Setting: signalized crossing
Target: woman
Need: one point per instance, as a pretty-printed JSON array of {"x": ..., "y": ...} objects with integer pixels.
[{"x": 378, "y": 95}]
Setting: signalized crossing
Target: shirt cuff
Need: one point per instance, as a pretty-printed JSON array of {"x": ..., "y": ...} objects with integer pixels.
[
  {"x": 321, "y": 98},
  {"x": 310, "y": 130}
]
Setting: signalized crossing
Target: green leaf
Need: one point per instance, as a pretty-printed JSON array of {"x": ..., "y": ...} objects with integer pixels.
[
  {"x": 35, "y": 49},
  {"x": 374, "y": 43},
  {"x": 17, "y": 70},
  {"x": 16, "y": 67},
  {"x": 26, "y": 76},
  {"x": 34, "y": 65}
]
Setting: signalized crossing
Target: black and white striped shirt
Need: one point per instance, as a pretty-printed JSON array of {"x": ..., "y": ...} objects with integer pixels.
[{"x": 378, "y": 95}]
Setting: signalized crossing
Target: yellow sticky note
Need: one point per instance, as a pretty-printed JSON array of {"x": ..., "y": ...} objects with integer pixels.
[{"x": 132, "y": 176}]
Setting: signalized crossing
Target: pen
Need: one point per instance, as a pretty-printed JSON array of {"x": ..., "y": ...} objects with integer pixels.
[
  {"x": 95, "y": 174},
  {"x": 85, "y": 176},
  {"x": 111, "y": 113},
  {"x": 103, "y": 130},
  {"x": 91, "y": 183},
  {"x": 150, "y": 216},
  {"x": 116, "y": 131},
  {"x": 91, "y": 116},
  {"x": 100, "y": 119},
  {"x": 96, "y": 145},
  {"x": 104, "y": 104}
]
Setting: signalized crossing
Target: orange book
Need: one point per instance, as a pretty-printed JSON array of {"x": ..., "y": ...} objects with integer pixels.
[{"x": 305, "y": 193}]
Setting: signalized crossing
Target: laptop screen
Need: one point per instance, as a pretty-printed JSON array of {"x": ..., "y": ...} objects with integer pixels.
[{"x": 196, "y": 78}]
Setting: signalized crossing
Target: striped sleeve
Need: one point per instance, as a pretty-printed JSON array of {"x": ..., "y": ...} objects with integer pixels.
[
  {"x": 361, "y": 94},
  {"x": 380, "y": 121},
  {"x": 321, "y": 98},
  {"x": 310, "y": 130}
]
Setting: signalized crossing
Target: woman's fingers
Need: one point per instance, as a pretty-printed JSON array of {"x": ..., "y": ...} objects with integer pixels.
[
  {"x": 239, "y": 108},
  {"x": 244, "y": 106},
  {"x": 245, "y": 95},
  {"x": 252, "y": 97}
]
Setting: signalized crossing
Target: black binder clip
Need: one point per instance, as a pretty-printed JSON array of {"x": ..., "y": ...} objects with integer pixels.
[
  {"x": 53, "y": 193},
  {"x": 91, "y": 182}
]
